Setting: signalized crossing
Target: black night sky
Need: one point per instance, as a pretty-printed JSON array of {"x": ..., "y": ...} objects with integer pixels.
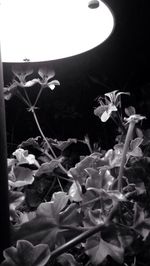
[{"x": 121, "y": 62}]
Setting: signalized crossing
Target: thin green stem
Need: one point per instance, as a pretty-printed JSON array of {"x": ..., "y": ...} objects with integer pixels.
[
  {"x": 60, "y": 165},
  {"x": 120, "y": 123},
  {"x": 20, "y": 96},
  {"x": 71, "y": 227},
  {"x": 38, "y": 96},
  {"x": 65, "y": 179},
  {"x": 125, "y": 149},
  {"x": 59, "y": 183},
  {"x": 26, "y": 94},
  {"x": 49, "y": 146},
  {"x": 42, "y": 134},
  {"x": 90, "y": 201}
]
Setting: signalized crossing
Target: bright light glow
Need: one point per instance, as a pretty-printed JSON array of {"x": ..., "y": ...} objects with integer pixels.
[{"x": 43, "y": 30}]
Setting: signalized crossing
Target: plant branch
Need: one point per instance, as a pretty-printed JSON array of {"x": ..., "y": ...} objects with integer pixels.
[
  {"x": 38, "y": 96},
  {"x": 83, "y": 236},
  {"x": 26, "y": 94},
  {"x": 125, "y": 149},
  {"x": 90, "y": 201},
  {"x": 49, "y": 146},
  {"x": 41, "y": 132},
  {"x": 20, "y": 96}
]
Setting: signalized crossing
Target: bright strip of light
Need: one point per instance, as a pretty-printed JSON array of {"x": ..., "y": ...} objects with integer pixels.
[{"x": 43, "y": 30}]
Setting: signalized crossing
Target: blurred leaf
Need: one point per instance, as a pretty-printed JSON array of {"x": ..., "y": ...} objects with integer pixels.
[
  {"x": 9, "y": 90},
  {"x": 33, "y": 142},
  {"x": 135, "y": 150},
  {"x": 25, "y": 254},
  {"x": 130, "y": 110},
  {"x": 38, "y": 230},
  {"x": 47, "y": 168},
  {"x": 50, "y": 226},
  {"x": 98, "y": 250},
  {"x": 99, "y": 179},
  {"x": 62, "y": 145},
  {"x": 112, "y": 157},
  {"x": 71, "y": 216},
  {"x": 141, "y": 223},
  {"x": 52, "y": 209},
  {"x": 75, "y": 192},
  {"x": 67, "y": 259},
  {"x": 93, "y": 217},
  {"x": 24, "y": 158},
  {"x": 26, "y": 216},
  {"x": 78, "y": 172},
  {"x": 21, "y": 176}
]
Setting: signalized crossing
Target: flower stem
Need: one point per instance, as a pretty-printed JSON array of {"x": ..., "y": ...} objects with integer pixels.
[
  {"x": 42, "y": 134},
  {"x": 39, "y": 94},
  {"x": 125, "y": 149},
  {"x": 49, "y": 146}
]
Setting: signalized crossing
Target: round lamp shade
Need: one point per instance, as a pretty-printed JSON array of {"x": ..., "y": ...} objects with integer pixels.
[{"x": 43, "y": 30}]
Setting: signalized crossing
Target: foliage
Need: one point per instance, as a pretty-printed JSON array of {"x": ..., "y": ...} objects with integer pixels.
[{"x": 52, "y": 204}]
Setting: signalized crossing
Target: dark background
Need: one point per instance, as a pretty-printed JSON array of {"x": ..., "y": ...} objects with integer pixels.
[{"x": 121, "y": 62}]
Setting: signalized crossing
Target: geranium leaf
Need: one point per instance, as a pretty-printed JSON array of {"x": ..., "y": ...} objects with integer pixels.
[
  {"x": 26, "y": 216},
  {"x": 136, "y": 143},
  {"x": 15, "y": 199},
  {"x": 94, "y": 179},
  {"x": 53, "y": 208},
  {"x": 71, "y": 215},
  {"x": 98, "y": 250},
  {"x": 51, "y": 228},
  {"x": 38, "y": 230},
  {"x": 11, "y": 258},
  {"x": 24, "y": 158},
  {"x": 75, "y": 192},
  {"x": 14, "y": 196},
  {"x": 9, "y": 90},
  {"x": 31, "y": 142},
  {"x": 141, "y": 223},
  {"x": 47, "y": 168},
  {"x": 22, "y": 177},
  {"x": 25, "y": 254},
  {"x": 99, "y": 179},
  {"x": 67, "y": 259},
  {"x": 78, "y": 172},
  {"x": 93, "y": 217},
  {"x": 135, "y": 150},
  {"x": 62, "y": 145}
]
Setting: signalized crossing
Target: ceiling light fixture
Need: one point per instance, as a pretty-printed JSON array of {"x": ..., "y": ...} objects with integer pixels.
[
  {"x": 93, "y": 4},
  {"x": 35, "y": 30}
]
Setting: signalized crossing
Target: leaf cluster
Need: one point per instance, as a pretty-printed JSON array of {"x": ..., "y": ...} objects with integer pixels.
[{"x": 53, "y": 207}]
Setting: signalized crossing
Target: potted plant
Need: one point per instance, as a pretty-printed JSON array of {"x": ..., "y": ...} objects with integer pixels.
[{"x": 93, "y": 212}]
